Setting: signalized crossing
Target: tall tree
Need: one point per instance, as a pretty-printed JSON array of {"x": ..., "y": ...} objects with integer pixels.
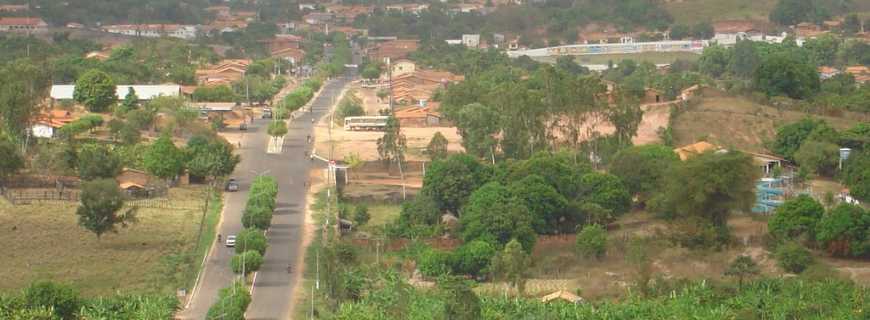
[
  {"x": 10, "y": 159},
  {"x": 437, "y": 147},
  {"x": 709, "y": 186},
  {"x": 96, "y": 90},
  {"x": 511, "y": 265},
  {"x": 22, "y": 86},
  {"x": 492, "y": 214},
  {"x": 101, "y": 201},
  {"x": 392, "y": 145},
  {"x": 787, "y": 74},
  {"x": 791, "y": 12},
  {"x": 478, "y": 124},
  {"x": 643, "y": 168},
  {"x": 131, "y": 100},
  {"x": 163, "y": 159},
  {"x": 796, "y": 218},
  {"x": 449, "y": 182},
  {"x": 96, "y": 161},
  {"x": 625, "y": 116},
  {"x": 210, "y": 157}
]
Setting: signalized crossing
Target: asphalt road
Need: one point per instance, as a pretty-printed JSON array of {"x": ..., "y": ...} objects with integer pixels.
[{"x": 273, "y": 286}]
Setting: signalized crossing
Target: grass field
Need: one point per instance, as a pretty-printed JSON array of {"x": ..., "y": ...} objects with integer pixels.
[
  {"x": 694, "y": 11},
  {"x": 738, "y": 123},
  {"x": 155, "y": 255}
]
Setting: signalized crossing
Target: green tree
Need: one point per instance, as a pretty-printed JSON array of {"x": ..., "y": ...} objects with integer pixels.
[
  {"x": 96, "y": 90},
  {"x": 437, "y": 147},
  {"x": 210, "y": 157},
  {"x": 101, "y": 203},
  {"x": 823, "y": 49},
  {"x": 744, "y": 59},
  {"x": 786, "y": 74},
  {"x": 231, "y": 304},
  {"x": 605, "y": 190},
  {"x": 392, "y": 145},
  {"x": 10, "y": 159},
  {"x": 741, "y": 268},
  {"x": 625, "y": 116},
  {"x": 796, "y": 217},
  {"x": 818, "y": 157},
  {"x": 361, "y": 215},
  {"x": 96, "y": 161},
  {"x": 62, "y": 300},
  {"x": 679, "y": 31},
  {"x": 492, "y": 214},
  {"x": 511, "y": 265},
  {"x": 22, "y": 82},
  {"x": 247, "y": 262},
  {"x": 423, "y": 210},
  {"x": 547, "y": 206},
  {"x": 592, "y": 241},
  {"x": 277, "y": 129},
  {"x": 714, "y": 61},
  {"x": 702, "y": 30},
  {"x": 856, "y": 174},
  {"x": 163, "y": 159},
  {"x": 643, "y": 168},
  {"x": 131, "y": 100},
  {"x": 843, "y": 231},
  {"x": 371, "y": 71},
  {"x": 473, "y": 258},
  {"x": 709, "y": 186},
  {"x": 349, "y": 106},
  {"x": 790, "y": 137},
  {"x": 220, "y": 93},
  {"x": 791, "y": 12},
  {"x": 251, "y": 239},
  {"x": 478, "y": 124},
  {"x": 792, "y": 257},
  {"x": 434, "y": 263},
  {"x": 460, "y": 302},
  {"x": 449, "y": 182}
]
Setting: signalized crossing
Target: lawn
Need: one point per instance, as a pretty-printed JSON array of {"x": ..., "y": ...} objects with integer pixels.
[
  {"x": 155, "y": 255},
  {"x": 694, "y": 11}
]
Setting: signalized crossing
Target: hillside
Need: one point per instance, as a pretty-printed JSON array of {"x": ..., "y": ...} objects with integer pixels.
[
  {"x": 737, "y": 122},
  {"x": 693, "y": 11}
]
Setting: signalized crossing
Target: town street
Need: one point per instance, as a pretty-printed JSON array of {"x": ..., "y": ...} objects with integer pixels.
[{"x": 273, "y": 286}]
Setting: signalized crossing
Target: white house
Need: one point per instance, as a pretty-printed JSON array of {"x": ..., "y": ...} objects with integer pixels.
[
  {"x": 471, "y": 40},
  {"x": 186, "y": 32}
]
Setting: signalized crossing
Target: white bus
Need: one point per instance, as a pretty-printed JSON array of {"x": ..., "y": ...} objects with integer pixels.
[{"x": 376, "y": 123}]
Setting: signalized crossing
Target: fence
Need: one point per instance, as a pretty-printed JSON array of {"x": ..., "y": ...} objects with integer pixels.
[{"x": 27, "y": 196}]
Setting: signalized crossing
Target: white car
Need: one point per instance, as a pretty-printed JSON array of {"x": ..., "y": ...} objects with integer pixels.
[{"x": 231, "y": 241}]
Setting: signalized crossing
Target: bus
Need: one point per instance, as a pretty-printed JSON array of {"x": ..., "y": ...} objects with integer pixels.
[{"x": 376, "y": 123}]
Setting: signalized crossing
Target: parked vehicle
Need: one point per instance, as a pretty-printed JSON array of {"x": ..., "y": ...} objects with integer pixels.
[
  {"x": 267, "y": 113},
  {"x": 232, "y": 185},
  {"x": 231, "y": 241}
]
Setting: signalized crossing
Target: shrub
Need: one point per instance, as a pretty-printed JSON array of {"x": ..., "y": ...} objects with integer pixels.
[
  {"x": 792, "y": 257},
  {"x": 473, "y": 258},
  {"x": 251, "y": 239},
  {"x": 434, "y": 263},
  {"x": 252, "y": 261},
  {"x": 231, "y": 304},
  {"x": 257, "y": 217},
  {"x": 45, "y": 294},
  {"x": 361, "y": 215},
  {"x": 592, "y": 241}
]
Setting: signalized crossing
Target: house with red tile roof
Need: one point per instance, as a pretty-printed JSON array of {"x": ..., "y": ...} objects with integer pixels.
[
  {"x": 393, "y": 50},
  {"x": 22, "y": 25}
]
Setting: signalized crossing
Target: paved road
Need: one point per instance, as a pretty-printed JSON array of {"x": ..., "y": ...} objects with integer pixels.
[{"x": 273, "y": 286}]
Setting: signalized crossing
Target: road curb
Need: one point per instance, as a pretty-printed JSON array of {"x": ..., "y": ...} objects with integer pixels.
[{"x": 196, "y": 284}]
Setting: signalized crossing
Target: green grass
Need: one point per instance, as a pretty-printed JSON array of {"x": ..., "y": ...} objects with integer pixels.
[
  {"x": 694, "y": 11},
  {"x": 653, "y": 57},
  {"x": 155, "y": 255},
  {"x": 209, "y": 228}
]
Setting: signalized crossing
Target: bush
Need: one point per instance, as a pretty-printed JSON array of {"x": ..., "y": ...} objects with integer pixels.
[
  {"x": 252, "y": 261},
  {"x": 792, "y": 257},
  {"x": 63, "y": 299},
  {"x": 251, "y": 239},
  {"x": 257, "y": 217},
  {"x": 361, "y": 215},
  {"x": 434, "y": 263},
  {"x": 473, "y": 258},
  {"x": 592, "y": 241},
  {"x": 231, "y": 304}
]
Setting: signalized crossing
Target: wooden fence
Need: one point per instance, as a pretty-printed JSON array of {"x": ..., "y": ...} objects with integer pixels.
[{"x": 28, "y": 196}]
